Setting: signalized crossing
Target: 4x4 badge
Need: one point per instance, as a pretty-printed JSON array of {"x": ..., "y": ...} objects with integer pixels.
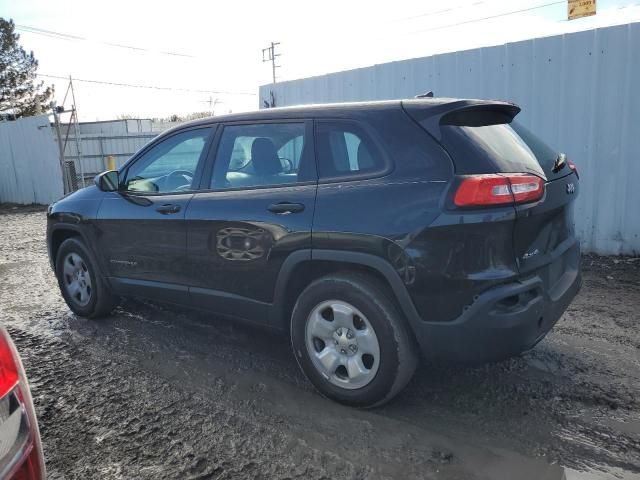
[{"x": 571, "y": 188}]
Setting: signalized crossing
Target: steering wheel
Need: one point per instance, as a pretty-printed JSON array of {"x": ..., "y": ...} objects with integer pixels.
[{"x": 186, "y": 179}]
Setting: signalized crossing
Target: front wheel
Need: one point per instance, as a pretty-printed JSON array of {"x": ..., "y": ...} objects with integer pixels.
[
  {"x": 351, "y": 341},
  {"x": 80, "y": 283}
]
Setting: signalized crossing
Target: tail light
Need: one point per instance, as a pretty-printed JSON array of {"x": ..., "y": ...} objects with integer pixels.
[
  {"x": 573, "y": 168},
  {"x": 498, "y": 189},
  {"x": 21, "y": 453},
  {"x": 9, "y": 376}
]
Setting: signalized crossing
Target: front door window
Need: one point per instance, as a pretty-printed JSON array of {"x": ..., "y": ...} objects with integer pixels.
[{"x": 170, "y": 165}]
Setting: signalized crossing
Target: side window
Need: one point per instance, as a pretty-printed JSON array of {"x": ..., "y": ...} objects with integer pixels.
[
  {"x": 345, "y": 149},
  {"x": 261, "y": 155},
  {"x": 170, "y": 165}
]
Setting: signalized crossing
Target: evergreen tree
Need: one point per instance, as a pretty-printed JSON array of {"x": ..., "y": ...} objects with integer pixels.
[{"x": 20, "y": 95}]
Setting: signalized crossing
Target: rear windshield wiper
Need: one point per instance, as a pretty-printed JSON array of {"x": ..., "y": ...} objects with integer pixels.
[{"x": 559, "y": 163}]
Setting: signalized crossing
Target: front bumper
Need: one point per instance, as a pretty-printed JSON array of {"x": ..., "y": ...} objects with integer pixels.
[{"x": 506, "y": 320}]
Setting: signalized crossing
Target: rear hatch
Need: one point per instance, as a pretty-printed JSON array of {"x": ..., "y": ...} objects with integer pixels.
[
  {"x": 486, "y": 145},
  {"x": 545, "y": 230}
]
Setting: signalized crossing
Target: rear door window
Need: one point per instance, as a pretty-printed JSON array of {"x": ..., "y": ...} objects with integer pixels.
[
  {"x": 261, "y": 155},
  {"x": 344, "y": 149}
]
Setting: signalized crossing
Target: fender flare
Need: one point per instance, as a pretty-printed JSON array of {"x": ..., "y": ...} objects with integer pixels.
[{"x": 380, "y": 265}]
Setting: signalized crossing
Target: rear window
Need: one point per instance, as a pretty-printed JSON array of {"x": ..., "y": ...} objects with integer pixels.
[{"x": 489, "y": 149}]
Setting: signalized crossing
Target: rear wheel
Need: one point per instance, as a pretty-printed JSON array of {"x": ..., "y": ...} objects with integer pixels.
[
  {"x": 81, "y": 285},
  {"x": 351, "y": 341}
]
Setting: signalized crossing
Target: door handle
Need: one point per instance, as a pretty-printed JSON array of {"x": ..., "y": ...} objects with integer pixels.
[
  {"x": 168, "y": 209},
  {"x": 285, "y": 208}
]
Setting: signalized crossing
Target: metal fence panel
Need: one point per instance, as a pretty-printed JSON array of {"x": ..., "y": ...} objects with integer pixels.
[
  {"x": 96, "y": 147},
  {"x": 29, "y": 164},
  {"x": 578, "y": 91}
]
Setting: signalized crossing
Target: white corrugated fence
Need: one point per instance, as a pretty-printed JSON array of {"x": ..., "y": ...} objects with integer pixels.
[
  {"x": 578, "y": 91},
  {"x": 29, "y": 162}
]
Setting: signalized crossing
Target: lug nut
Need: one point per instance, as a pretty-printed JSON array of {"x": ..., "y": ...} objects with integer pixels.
[
  {"x": 349, "y": 334},
  {"x": 353, "y": 348},
  {"x": 339, "y": 332}
]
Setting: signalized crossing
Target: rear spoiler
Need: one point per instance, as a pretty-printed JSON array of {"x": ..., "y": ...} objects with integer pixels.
[{"x": 431, "y": 114}]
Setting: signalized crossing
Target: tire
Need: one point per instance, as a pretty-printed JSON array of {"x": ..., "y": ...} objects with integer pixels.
[
  {"x": 361, "y": 305},
  {"x": 80, "y": 282}
]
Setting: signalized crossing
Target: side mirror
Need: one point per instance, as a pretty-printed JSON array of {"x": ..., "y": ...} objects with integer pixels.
[{"x": 108, "y": 181}]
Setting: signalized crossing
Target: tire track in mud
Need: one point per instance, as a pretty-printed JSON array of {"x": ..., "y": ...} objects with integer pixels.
[{"x": 105, "y": 418}]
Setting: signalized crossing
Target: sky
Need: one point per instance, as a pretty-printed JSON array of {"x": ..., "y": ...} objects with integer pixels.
[{"x": 207, "y": 55}]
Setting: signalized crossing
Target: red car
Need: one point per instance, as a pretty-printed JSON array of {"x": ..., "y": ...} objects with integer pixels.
[{"x": 20, "y": 448}]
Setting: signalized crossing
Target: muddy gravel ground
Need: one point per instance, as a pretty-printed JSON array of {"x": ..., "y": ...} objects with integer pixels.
[{"x": 157, "y": 392}]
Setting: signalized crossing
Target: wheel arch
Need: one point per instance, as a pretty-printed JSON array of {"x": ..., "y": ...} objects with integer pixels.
[
  {"x": 64, "y": 231},
  {"x": 304, "y": 266},
  {"x": 60, "y": 233}
]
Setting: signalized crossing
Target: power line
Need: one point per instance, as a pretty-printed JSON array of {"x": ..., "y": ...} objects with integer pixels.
[
  {"x": 475, "y": 20},
  {"x": 150, "y": 87},
  {"x": 439, "y": 12},
  {"x": 70, "y": 37}
]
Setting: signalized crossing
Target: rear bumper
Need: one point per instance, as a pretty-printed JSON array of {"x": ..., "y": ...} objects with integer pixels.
[{"x": 506, "y": 320}]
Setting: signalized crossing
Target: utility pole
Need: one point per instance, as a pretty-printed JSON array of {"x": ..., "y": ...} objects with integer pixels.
[
  {"x": 56, "y": 119},
  {"x": 212, "y": 104},
  {"x": 76, "y": 125},
  {"x": 68, "y": 171},
  {"x": 269, "y": 55}
]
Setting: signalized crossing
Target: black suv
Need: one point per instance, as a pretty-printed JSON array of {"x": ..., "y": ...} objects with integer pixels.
[{"x": 369, "y": 231}]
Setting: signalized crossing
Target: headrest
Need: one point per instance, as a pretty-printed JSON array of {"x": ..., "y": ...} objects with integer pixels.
[
  {"x": 264, "y": 157},
  {"x": 365, "y": 160}
]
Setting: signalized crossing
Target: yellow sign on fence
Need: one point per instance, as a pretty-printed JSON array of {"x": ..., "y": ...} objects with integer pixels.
[{"x": 580, "y": 8}]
